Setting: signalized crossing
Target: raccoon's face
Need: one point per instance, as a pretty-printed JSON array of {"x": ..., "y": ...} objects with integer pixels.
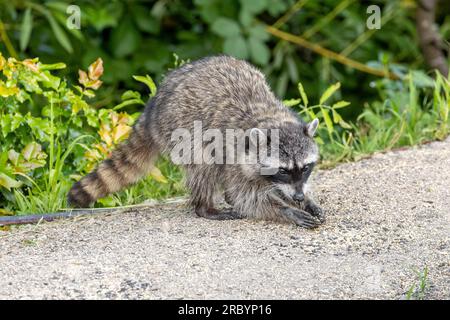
[
  {"x": 290, "y": 182},
  {"x": 297, "y": 155}
]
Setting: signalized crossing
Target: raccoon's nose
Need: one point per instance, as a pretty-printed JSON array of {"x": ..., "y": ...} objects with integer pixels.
[{"x": 299, "y": 197}]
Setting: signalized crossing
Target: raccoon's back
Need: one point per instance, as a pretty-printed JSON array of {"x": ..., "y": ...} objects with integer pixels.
[{"x": 220, "y": 91}]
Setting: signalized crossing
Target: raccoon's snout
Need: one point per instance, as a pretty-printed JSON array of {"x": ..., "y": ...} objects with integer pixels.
[{"x": 299, "y": 197}]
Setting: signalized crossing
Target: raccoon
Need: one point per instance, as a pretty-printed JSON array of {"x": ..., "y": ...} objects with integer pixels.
[{"x": 221, "y": 92}]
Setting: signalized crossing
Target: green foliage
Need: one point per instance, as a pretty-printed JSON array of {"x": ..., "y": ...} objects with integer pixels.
[
  {"x": 139, "y": 37},
  {"x": 409, "y": 111},
  {"x": 51, "y": 133}
]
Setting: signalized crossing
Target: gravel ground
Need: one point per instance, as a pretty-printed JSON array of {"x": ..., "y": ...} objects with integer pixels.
[{"x": 388, "y": 217}]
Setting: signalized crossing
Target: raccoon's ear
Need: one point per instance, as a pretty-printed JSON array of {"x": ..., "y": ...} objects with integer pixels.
[{"x": 312, "y": 127}]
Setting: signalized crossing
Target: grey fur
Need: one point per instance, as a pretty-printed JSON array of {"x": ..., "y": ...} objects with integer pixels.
[{"x": 222, "y": 92}]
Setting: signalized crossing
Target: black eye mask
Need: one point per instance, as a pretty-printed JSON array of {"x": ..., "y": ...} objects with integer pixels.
[{"x": 294, "y": 175}]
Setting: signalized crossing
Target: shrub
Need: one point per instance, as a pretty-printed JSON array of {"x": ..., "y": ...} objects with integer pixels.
[{"x": 51, "y": 133}]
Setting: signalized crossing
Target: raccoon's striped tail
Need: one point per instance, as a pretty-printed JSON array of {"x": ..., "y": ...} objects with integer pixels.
[{"x": 128, "y": 163}]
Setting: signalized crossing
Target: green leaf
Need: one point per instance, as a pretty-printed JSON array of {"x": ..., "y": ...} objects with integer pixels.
[
  {"x": 130, "y": 94},
  {"x": 421, "y": 79},
  {"x": 148, "y": 81},
  {"x": 291, "y": 102},
  {"x": 156, "y": 174},
  {"x": 226, "y": 28},
  {"x": 259, "y": 32},
  {"x": 58, "y": 6},
  {"x": 25, "y": 29},
  {"x": 254, "y": 6},
  {"x": 344, "y": 124},
  {"x": 302, "y": 92},
  {"x": 128, "y": 102},
  {"x": 276, "y": 7},
  {"x": 54, "y": 66},
  {"x": 10, "y": 122},
  {"x": 236, "y": 46},
  {"x": 144, "y": 20},
  {"x": 292, "y": 68},
  {"x": 281, "y": 85},
  {"x": 59, "y": 33},
  {"x": 328, "y": 122},
  {"x": 340, "y": 104},
  {"x": 246, "y": 18},
  {"x": 50, "y": 81},
  {"x": 125, "y": 39},
  {"x": 336, "y": 116},
  {"x": 259, "y": 51},
  {"x": 109, "y": 201},
  {"x": 329, "y": 92},
  {"x": 8, "y": 183},
  {"x": 319, "y": 140}
]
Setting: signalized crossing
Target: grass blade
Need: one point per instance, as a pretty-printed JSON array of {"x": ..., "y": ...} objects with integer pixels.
[{"x": 25, "y": 29}]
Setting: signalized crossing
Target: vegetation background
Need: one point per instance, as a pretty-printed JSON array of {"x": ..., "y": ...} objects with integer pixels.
[{"x": 372, "y": 89}]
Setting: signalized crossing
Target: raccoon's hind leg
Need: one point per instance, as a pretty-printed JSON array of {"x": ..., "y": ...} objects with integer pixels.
[
  {"x": 128, "y": 163},
  {"x": 203, "y": 184}
]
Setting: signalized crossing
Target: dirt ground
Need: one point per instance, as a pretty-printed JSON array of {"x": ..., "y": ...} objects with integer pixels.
[{"x": 388, "y": 218}]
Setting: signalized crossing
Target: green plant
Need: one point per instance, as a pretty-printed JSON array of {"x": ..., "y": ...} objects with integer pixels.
[
  {"x": 51, "y": 133},
  {"x": 408, "y": 112},
  {"x": 417, "y": 291},
  {"x": 334, "y": 134}
]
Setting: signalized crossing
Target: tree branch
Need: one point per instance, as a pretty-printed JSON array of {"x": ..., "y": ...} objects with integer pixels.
[
  {"x": 329, "y": 54},
  {"x": 429, "y": 40}
]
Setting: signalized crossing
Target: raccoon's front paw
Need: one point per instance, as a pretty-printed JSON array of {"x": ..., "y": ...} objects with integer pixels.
[
  {"x": 315, "y": 211},
  {"x": 301, "y": 218}
]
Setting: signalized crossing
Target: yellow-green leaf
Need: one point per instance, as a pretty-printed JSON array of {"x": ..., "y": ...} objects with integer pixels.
[
  {"x": 2, "y": 61},
  {"x": 149, "y": 82},
  {"x": 336, "y": 116},
  {"x": 319, "y": 140},
  {"x": 156, "y": 174},
  {"x": 31, "y": 150},
  {"x": 327, "y": 119},
  {"x": 303, "y": 94},
  {"x": 8, "y": 183},
  {"x": 53, "y": 66},
  {"x": 340, "y": 104},
  {"x": 344, "y": 124},
  {"x": 4, "y": 212},
  {"x": 291, "y": 102},
  {"x": 8, "y": 91},
  {"x": 329, "y": 92}
]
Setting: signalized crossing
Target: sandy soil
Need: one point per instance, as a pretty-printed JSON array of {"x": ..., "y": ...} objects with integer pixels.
[{"x": 388, "y": 217}]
